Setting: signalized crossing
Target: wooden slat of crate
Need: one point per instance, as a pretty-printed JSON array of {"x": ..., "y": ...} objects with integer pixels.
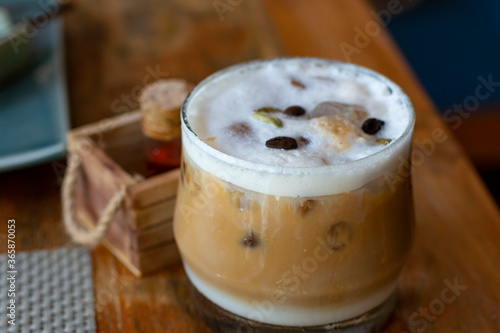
[
  {"x": 118, "y": 248},
  {"x": 141, "y": 234},
  {"x": 156, "y": 189},
  {"x": 148, "y": 238},
  {"x": 154, "y": 214},
  {"x": 155, "y": 259},
  {"x": 118, "y": 124},
  {"x": 139, "y": 262}
]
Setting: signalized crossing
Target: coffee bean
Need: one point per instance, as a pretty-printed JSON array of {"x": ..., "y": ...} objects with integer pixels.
[
  {"x": 372, "y": 126},
  {"x": 294, "y": 111},
  {"x": 251, "y": 240},
  {"x": 305, "y": 207},
  {"x": 282, "y": 142},
  {"x": 339, "y": 236}
]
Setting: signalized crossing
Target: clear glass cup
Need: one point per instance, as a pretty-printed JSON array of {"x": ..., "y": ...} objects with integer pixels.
[{"x": 326, "y": 258}]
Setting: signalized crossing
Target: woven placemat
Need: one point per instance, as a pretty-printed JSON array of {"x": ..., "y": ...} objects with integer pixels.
[{"x": 54, "y": 292}]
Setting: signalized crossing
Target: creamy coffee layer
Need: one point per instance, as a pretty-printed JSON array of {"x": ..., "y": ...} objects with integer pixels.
[
  {"x": 313, "y": 261},
  {"x": 238, "y": 115}
]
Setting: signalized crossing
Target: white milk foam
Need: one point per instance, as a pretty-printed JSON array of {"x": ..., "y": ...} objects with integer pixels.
[{"x": 233, "y": 94}]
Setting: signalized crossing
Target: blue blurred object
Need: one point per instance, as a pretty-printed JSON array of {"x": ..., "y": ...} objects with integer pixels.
[
  {"x": 33, "y": 109},
  {"x": 17, "y": 50},
  {"x": 37, "y": 10},
  {"x": 20, "y": 49},
  {"x": 449, "y": 43},
  {"x": 5, "y": 22}
]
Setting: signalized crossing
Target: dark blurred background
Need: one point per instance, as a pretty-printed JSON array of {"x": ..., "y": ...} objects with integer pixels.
[{"x": 453, "y": 45}]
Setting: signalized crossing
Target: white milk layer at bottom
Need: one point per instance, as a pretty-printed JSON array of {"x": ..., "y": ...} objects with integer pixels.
[{"x": 266, "y": 311}]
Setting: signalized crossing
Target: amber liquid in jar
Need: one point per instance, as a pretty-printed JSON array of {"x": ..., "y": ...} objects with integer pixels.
[{"x": 163, "y": 155}]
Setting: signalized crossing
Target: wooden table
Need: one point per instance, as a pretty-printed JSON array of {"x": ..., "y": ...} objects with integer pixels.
[{"x": 112, "y": 46}]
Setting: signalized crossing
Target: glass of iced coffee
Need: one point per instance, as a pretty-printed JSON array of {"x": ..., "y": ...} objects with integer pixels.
[{"x": 294, "y": 212}]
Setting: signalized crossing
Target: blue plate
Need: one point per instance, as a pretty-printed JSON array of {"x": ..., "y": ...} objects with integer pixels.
[{"x": 34, "y": 108}]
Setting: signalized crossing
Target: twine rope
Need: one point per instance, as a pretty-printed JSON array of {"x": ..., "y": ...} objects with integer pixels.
[{"x": 73, "y": 229}]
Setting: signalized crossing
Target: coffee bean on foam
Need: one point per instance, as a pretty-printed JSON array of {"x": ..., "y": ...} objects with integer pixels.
[
  {"x": 372, "y": 126},
  {"x": 282, "y": 142},
  {"x": 294, "y": 111}
]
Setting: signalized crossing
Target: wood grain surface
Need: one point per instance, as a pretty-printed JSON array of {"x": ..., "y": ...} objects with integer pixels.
[{"x": 450, "y": 283}]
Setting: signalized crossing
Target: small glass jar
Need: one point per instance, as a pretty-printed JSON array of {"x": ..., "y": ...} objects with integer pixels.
[{"x": 161, "y": 125}]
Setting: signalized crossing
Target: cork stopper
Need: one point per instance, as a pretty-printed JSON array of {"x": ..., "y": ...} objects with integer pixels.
[{"x": 160, "y": 103}]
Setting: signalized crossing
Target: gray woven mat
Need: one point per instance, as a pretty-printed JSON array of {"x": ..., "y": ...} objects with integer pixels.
[{"x": 54, "y": 292}]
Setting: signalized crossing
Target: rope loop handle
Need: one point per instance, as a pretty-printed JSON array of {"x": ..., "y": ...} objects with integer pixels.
[{"x": 94, "y": 236}]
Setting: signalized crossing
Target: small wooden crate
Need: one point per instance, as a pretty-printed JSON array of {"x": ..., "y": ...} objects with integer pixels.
[{"x": 112, "y": 155}]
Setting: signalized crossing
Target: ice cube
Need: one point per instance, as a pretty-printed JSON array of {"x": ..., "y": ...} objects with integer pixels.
[
  {"x": 340, "y": 132},
  {"x": 353, "y": 112}
]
